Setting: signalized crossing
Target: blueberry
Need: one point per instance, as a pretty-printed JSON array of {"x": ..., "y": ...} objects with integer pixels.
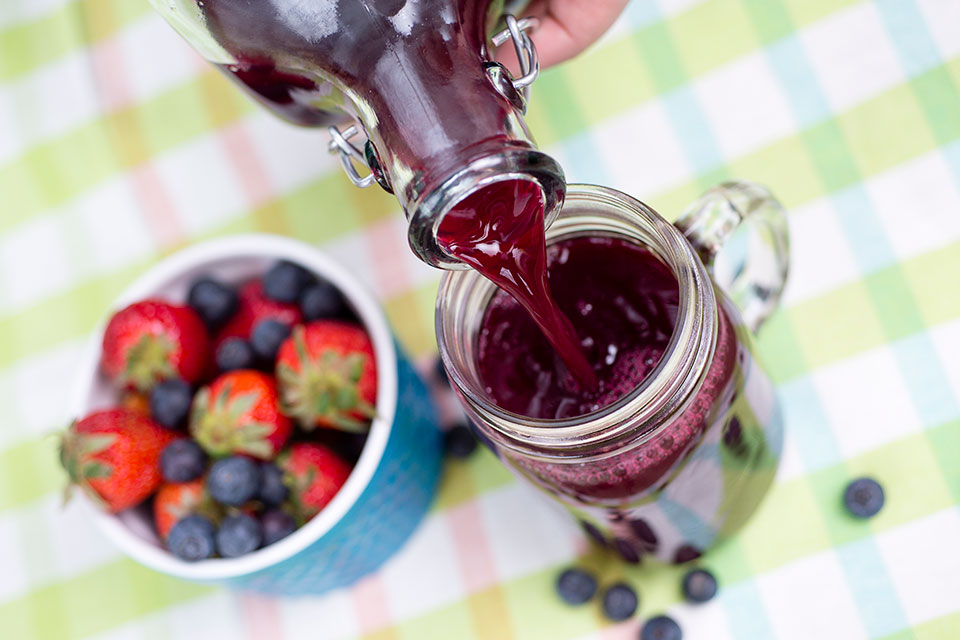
[
  {"x": 699, "y": 585},
  {"x": 619, "y": 602},
  {"x": 266, "y": 338},
  {"x": 661, "y": 628},
  {"x": 285, "y": 281},
  {"x": 213, "y": 300},
  {"x": 192, "y": 538},
  {"x": 322, "y": 300},
  {"x": 170, "y": 402},
  {"x": 235, "y": 353},
  {"x": 276, "y": 526},
  {"x": 576, "y": 586},
  {"x": 233, "y": 481},
  {"x": 864, "y": 497},
  {"x": 441, "y": 373},
  {"x": 272, "y": 489},
  {"x": 238, "y": 535},
  {"x": 182, "y": 461},
  {"x": 460, "y": 442},
  {"x": 686, "y": 553}
]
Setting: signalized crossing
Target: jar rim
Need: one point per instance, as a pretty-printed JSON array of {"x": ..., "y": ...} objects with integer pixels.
[{"x": 660, "y": 394}]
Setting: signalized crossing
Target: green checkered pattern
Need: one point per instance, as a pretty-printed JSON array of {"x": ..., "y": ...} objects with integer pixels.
[{"x": 119, "y": 146}]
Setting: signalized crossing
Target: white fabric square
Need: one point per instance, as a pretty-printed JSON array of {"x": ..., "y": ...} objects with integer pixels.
[
  {"x": 115, "y": 225},
  {"x": 744, "y": 104},
  {"x": 61, "y": 95},
  {"x": 40, "y": 413},
  {"x": 924, "y": 564},
  {"x": 11, "y": 137},
  {"x": 77, "y": 544},
  {"x": 26, "y": 10},
  {"x": 828, "y": 609},
  {"x": 203, "y": 188},
  {"x": 425, "y": 574},
  {"x": 943, "y": 22},
  {"x": 642, "y": 153},
  {"x": 946, "y": 342},
  {"x": 918, "y": 204},
  {"x": 330, "y": 616},
  {"x": 154, "y": 57},
  {"x": 33, "y": 263},
  {"x": 526, "y": 531},
  {"x": 291, "y": 156},
  {"x": 820, "y": 256},
  {"x": 867, "y": 401},
  {"x": 15, "y": 580},
  {"x": 351, "y": 251},
  {"x": 852, "y": 55}
]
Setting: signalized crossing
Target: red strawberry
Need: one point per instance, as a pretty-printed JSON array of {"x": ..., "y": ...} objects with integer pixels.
[
  {"x": 327, "y": 375},
  {"x": 153, "y": 340},
  {"x": 174, "y": 502},
  {"x": 314, "y": 474},
  {"x": 114, "y": 456},
  {"x": 253, "y": 307},
  {"x": 238, "y": 413}
]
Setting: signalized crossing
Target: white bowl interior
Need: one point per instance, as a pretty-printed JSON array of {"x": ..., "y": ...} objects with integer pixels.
[{"x": 234, "y": 260}]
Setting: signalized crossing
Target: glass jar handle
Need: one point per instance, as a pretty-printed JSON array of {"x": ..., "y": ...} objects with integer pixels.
[{"x": 740, "y": 232}]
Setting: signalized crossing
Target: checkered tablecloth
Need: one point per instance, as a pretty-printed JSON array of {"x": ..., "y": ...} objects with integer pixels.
[{"x": 118, "y": 145}]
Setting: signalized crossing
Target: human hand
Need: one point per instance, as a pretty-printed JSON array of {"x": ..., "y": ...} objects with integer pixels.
[{"x": 566, "y": 28}]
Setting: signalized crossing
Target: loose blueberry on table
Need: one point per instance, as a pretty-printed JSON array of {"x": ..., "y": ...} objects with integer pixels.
[
  {"x": 864, "y": 497},
  {"x": 661, "y": 628},
  {"x": 576, "y": 586},
  {"x": 459, "y": 441},
  {"x": 619, "y": 602},
  {"x": 699, "y": 585}
]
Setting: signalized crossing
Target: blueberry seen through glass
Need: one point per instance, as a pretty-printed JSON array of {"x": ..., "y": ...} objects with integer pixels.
[
  {"x": 619, "y": 602},
  {"x": 460, "y": 442},
  {"x": 699, "y": 585},
  {"x": 576, "y": 586}
]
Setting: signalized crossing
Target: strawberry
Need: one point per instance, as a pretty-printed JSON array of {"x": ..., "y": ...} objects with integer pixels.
[
  {"x": 253, "y": 307},
  {"x": 238, "y": 414},
  {"x": 314, "y": 474},
  {"x": 327, "y": 375},
  {"x": 175, "y": 502},
  {"x": 153, "y": 340},
  {"x": 135, "y": 401},
  {"x": 114, "y": 456}
]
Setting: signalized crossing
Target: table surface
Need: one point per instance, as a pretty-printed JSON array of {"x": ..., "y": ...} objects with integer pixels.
[{"x": 118, "y": 145}]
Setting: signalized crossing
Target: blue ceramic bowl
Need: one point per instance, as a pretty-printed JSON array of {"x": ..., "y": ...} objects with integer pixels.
[{"x": 385, "y": 496}]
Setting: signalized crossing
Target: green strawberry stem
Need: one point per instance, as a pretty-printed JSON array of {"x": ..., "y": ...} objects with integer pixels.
[
  {"x": 76, "y": 457},
  {"x": 223, "y": 429},
  {"x": 148, "y": 361},
  {"x": 325, "y": 389}
]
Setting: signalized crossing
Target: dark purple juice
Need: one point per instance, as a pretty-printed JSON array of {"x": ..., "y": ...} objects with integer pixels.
[{"x": 622, "y": 304}]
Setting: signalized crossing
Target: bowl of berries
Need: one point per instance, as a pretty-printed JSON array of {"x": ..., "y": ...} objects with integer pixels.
[{"x": 245, "y": 416}]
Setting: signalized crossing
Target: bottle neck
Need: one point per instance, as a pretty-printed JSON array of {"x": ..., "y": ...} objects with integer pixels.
[{"x": 444, "y": 123}]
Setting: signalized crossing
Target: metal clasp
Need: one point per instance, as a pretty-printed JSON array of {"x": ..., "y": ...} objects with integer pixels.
[
  {"x": 526, "y": 52},
  {"x": 340, "y": 144}
]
